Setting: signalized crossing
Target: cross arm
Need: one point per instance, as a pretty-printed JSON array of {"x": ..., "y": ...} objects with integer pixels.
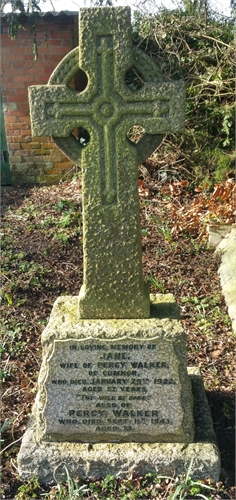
[
  {"x": 164, "y": 101},
  {"x": 54, "y": 110},
  {"x": 146, "y": 146}
]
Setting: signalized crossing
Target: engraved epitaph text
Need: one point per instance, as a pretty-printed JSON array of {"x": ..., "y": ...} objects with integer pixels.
[{"x": 112, "y": 391}]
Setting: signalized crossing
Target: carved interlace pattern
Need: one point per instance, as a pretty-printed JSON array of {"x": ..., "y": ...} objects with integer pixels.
[{"x": 66, "y": 70}]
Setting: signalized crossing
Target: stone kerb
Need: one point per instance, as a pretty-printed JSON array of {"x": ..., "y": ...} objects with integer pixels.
[{"x": 227, "y": 250}]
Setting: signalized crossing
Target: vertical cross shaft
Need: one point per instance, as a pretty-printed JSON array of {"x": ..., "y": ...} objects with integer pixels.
[
  {"x": 106, "y": 86},
  {"x": 113, "y": 282}
]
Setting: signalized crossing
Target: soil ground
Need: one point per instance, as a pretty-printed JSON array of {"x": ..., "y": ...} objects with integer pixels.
[{"x": 42, "y": 258}]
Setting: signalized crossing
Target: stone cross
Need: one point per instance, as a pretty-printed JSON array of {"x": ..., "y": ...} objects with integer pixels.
[{"x": 107, "y": 108}]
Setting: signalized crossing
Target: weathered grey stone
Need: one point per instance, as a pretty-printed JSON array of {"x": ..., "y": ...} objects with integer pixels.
[
  {"x": 113, "y": 285},
  {"x": 227, "y": 272},
  {"x": 217, "y": 232},
  {"x": 46, "y": 460},
  {"x": 114, "y": 380}
]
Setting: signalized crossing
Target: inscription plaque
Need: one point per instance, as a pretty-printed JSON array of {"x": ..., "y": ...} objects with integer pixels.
[{"x": 123, "y": 390}]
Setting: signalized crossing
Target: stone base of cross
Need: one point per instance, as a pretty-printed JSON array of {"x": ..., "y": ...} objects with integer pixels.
[
  {"x": 115, "y": 396},
  {"x": 107, "y": 108}
]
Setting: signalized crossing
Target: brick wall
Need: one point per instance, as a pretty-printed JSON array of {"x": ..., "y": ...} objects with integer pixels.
[{"x": 33, "y": 159}]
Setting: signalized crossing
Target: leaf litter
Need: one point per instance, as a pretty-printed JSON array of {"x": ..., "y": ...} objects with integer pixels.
[{"x": 42, "y": 257}]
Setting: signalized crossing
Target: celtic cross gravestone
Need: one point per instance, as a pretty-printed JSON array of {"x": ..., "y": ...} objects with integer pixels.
[
  {"x": 114, "y": 393},
  {"x": 107, "y": 108}
]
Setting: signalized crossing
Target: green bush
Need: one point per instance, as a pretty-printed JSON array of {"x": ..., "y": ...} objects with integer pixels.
[{"x": 196, "y": 45}]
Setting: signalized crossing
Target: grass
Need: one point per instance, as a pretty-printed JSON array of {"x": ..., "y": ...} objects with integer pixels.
[
  {"x": 42, "y": 259},
  {"x": 147, "y": 487}
]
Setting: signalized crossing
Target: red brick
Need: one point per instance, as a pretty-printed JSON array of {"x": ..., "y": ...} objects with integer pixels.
[
  {"x": 15, "y": 132},
  {"x": 42, "y": 139},
  {"x": 8, "y": 82},
  {"x": 44, "y": 35},
  {"x": 5, "y": 93},
  {"x": 11, "y": 72},
  {"x": 47, "y": 65},
  {"x": 67, "y": 44},
  {"x": 24, "y": 114},
  {"x": 10, "y": 92},
  {"x": 23, "y": 122},
  {"x": 24, "y": 132},
  {"x": 19, "y": 51},
  {"x": 19, "y": 85},
  {"x": 45, "y": 45},
  {"x": 14, "y": 139},
  {"x": 56, "y": 42},
  {"x": 24, "y": 153},
  {"x": 48, "y": 145},
  {"x": 14, "y": 146},
  {"x": 6, "y": 65},
  {"x": 29, "y": 57},
  {"x": 6, "y": 50},
  {"x": 22, "y": 92},
  {"x": 34, "y": 70},
  {"x": 10, "y": 119},
  {"x": 24, "y": 78},
  {"x": 39, "y": 153},
  {"x": 17, "y": 98},
  {"x": 59, "y": 50},
  {"x": 38, "y": 159},
  {"x": 23, "y": 106},
  {"x": 4, "y": 28},
  {"x": 24, "y": 35},
  {"x": 62, "y": 165},
  {"x": 55, "y": 59},
  {"x": 11, "y": 126},
  {"x": 20, "y": 64},
  {"x": 53, "y": 160},
  {"x": 30, "y": 145},
  {"x": 56, "y": 171},
  {"x": 47, "y": 74},
  {"x": 14, "y": 44},
  {"x": 62, "y": 33},
  {"x": 20, "y": 126},
  {"x": 10, "y": 112},
  {"x": 4, "y": 37}
]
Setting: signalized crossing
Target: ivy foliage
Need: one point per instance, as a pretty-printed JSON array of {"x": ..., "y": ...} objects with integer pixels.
[
  {"x": 29, "y": 8},
  {"x": 197, "y": 46}
]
